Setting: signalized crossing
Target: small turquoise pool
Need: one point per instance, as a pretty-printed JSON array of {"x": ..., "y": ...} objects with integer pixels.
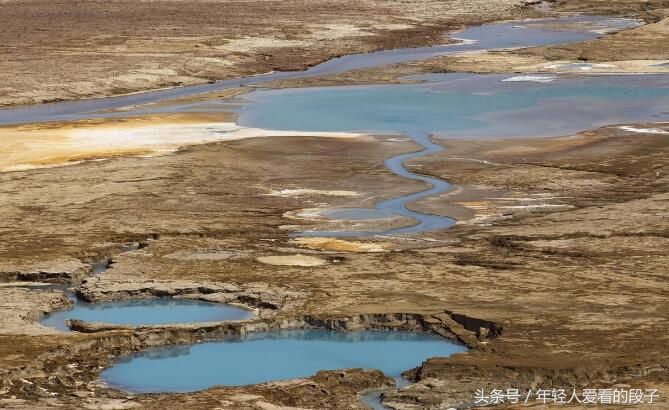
[
  {"x": 270, "y": 356},
  {"x": 157, "y": 311}
]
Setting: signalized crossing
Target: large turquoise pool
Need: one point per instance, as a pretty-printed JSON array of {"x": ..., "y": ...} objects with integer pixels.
[{"x": 281, "y": 355}]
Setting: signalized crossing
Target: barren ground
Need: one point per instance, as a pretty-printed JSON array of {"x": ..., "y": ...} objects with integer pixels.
[
  {"x": 643, "y": 49},
  {"x": 559, "y": 283},
  {"x": 55, "y": 50},
  {"x": 555, "y": 277}
]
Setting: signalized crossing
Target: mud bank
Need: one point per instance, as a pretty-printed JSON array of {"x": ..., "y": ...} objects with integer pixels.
[
  {"x": 56, "y": 144},
  {"x": 280, "y": 302},
  {"x": 72, "y": 269},
  {"x": 567, "y": 173},
  {"x": 639, "y": 50},
  {"x": 472, "y": 332}
]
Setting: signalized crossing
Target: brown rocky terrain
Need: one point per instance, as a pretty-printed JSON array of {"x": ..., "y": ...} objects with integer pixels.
[
  {"x": 641, "y": 49},
  {"x": 638, "y": 50},
  {"x": 638, "y": 8},
  {"x": 56, "y": 50},
  {"x": 555, "y": 276},
  {"x": 580, "y": 294},
  {"x": 62, "y": 51}
]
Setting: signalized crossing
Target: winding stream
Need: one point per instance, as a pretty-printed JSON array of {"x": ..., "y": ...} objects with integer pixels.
[
  {"x": 467, "y": 106},
  {"x": 489, "y": 36},
  {"x": 397, "y": 110}
]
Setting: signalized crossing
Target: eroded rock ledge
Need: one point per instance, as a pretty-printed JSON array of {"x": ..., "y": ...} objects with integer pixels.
[
  {"x": 266, "y": 299},
  {"x": 69, "y": 270},
  {"x": 54, "y": 271},
  {"x": 21, "y": 308},
  {"x": 455, "y": 327}
]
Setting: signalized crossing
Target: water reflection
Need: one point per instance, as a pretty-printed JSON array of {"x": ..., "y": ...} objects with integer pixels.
[{"x": 267, "y": 356}]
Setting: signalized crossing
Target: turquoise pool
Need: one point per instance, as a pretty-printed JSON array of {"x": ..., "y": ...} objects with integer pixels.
[{"x": 263, "y": 357}]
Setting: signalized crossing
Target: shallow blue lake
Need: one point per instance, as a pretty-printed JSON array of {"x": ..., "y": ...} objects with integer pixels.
[
  {"x": 456, "y": 106},
  {"x": 264, "y": 357},
  {"x": 157, "y": 311},
  {"x": 466, "y": 106}
]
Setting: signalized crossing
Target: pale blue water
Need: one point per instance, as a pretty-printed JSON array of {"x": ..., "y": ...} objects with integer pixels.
[
  {"x": 457, "y": 106},
  {"x": 465, "y": 105},
  {"x": 489, "y": 36},
  {"x": 452, "y": 105},
  {"x": 264, "y": 357},
  {"x": 157, "y": 311}
]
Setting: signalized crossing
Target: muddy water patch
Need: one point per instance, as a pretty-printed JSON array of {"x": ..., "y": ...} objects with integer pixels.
[
  {"x": 578, "y": 66},
  {"x": 340, "y": 245},
  {"x": 270, "y": 356},
  {"x": 355, "y": 214},
  {"x": 156, "y": 311},
  {"x": 302, "y": 192},
  {"x": 373, "y": 399},
  {"x": 100, "y": 266}
]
